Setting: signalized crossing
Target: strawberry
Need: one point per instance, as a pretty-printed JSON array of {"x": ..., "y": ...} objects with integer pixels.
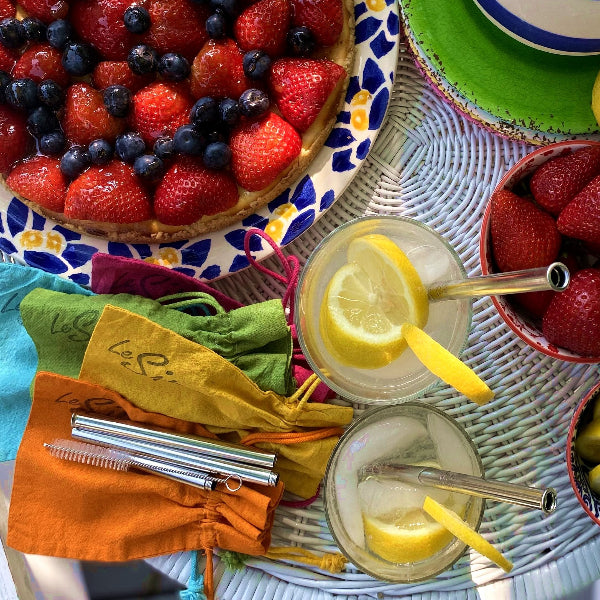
[
  {"x": 300, "y": 87},
  {"x": 189, "y": 191},
  {"x": 110, "y": 193},
  {"x": 573, "y": 317},
  {"x": 261, "y": 150},
  {"x": 581, "y": 217},
  {"x": 7, "y": 9},
  {"x": 264, "y": 26},
  {"x": 86, "y": 118},
  {"x": 159, "y": 109},
  {"x": 523, "y": 235},
  {"x": 15, "y": 140},
  {"x": 46, "y": 10},
  {"x": 177, "y": 26},
  {"x": 40, "y": 180},
  {"x": 40, "y": 62},
  {"x": 112, "y": 72},
  {"x": 100, "y": 22},
  {"x": 325, "y": 18},
  {"x": 218, "y": 71},
  {"x": 556, "y": 182},
  {"x": 8, "y": 58}
]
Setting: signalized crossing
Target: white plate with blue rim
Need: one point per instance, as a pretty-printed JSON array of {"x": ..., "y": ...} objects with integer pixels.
[
  {"x": 42, "y": 243},
  {"x": 559, "y": 26}
]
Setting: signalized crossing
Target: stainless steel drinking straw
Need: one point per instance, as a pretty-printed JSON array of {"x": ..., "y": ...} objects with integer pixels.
[
  {"x": 553, "y": 277},
  {"x": 181, "y": 441},
  {"x": 177, "y": 457},
  {"x": 541, "y": 499}
]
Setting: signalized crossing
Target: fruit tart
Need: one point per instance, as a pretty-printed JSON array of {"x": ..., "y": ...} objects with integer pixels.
[{"x": 158, "y": 120}]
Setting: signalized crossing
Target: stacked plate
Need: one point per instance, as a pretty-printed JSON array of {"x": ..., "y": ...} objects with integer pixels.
[{"x": 511, "y": 88}]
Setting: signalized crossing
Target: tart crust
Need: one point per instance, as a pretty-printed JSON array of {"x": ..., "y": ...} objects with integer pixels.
[{"x": 312, "y": 140}]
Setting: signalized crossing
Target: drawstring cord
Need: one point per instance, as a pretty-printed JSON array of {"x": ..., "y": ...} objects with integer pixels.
[{"x": 290, "y": 264}]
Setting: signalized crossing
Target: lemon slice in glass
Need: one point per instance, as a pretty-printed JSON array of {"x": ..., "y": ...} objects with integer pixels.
[
  {"x": 406, "y": 543},
  {"x": 451, "y": 521},
  {"x": 446, "y": 366},
  {"x": 367, "y": 301}
]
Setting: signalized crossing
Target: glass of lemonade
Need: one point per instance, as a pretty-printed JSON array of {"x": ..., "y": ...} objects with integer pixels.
[
  {"x": 448, "y": 323},
  {"x": 379, "y": 524}
]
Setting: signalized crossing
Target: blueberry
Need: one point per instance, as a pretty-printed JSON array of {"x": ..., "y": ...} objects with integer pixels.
[
  {"x": 254, "y": 103},
  {"x": 117, "y": 99},
  {"x": 173, "y": 66},
  {"x": 229, "y": 111},
  {"x": 22, "y": 93},
  {"x": 129, "y": 146},
  {"x": 215, "y": 136},
  {"x": 42, "y": 120},
  {"x": 256, "y": 64},
  {"x": 52, "y": 143},
  {"x": 229, "y": 7},
  {"x": 78, "y": 59},
  {"x": 163, "y": 147},
  {"x": 35, "y": 30},
  {"x": 59, "y": 33},
  {"x": 74, "y": 161},
  {"x": 50, "y": 93},
  {"x": 216, "y": 25},
  {"x": 188, "y": 141},
  {"x": 205, "y": 112},
  {"x": 216, "y": 155},
  {"x": 5, "y": 79},
  {"x": 12, "y": 33},
  {"x": 100, "y": 152},
  {"x": 142, "y": 59},
  {"x": 149, "y": 167},
  {"x": 137, "y": 19},
  {"x": 300, "y": 41}
]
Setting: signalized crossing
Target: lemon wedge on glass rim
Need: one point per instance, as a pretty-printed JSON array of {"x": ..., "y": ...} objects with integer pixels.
[
  {"x": 451, "y": 521},
  {"x": 368, "y": 300}
]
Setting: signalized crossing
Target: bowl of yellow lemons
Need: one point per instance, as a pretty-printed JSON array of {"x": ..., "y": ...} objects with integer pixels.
[{"x": 583, "y": 453}]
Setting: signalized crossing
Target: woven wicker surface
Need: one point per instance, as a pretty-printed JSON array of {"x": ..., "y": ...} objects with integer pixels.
[{"x": 436, "y": 166}]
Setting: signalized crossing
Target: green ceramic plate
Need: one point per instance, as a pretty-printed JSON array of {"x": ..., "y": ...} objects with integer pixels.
[{"x": 523, "y": 86}]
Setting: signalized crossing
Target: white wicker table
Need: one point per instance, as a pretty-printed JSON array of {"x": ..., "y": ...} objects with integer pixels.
[{"x": 434, "y": 165}]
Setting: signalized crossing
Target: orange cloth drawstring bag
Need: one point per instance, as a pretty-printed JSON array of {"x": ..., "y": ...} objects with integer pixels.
[{"x": 66, "y": 509}]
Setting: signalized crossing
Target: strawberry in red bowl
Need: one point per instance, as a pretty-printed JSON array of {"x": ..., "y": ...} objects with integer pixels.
[{"x": 546, "y": 209}]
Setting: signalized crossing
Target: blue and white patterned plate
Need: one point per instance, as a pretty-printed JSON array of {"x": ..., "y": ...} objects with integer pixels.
[{"x": 42, "y": 243}]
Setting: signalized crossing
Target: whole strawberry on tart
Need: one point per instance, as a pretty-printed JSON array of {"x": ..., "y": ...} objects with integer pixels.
[{"x": 159, "y": 120}]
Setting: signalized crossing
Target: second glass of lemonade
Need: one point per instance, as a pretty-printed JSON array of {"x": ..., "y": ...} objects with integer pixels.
[
  {"x": 379, "y": 524},
  {"x": 448, "y": 323}
]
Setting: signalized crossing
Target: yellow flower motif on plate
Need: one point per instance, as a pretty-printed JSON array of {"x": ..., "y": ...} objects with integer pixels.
[
  {"x": 167, "y": 257},
  {"x": 361, "y": 97},
  {"x": 376, "y": 4},
  {"x": 48, "y": 241},
  {"x": 283, "y": 215},
  {"x": 359, "y": 119}
]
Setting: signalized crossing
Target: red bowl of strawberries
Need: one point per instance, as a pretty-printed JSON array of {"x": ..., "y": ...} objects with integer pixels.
[{"x": 547, "y": 209}]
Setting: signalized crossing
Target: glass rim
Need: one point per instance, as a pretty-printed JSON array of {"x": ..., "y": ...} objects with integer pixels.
[
  {"x": 356, "y": 425},
  {"x": 344, "y": 392}
]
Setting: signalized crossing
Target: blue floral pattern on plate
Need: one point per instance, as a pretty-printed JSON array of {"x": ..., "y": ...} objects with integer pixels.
[{"x": 42, "y": 243}]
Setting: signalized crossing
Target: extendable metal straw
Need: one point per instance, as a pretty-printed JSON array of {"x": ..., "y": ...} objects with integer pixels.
[
  {"x": 554, "y": 277},
  {"x": 179, "y": 458},
  {"x": 541, "y": 499},
  {"x": 180, "y": 441}
]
